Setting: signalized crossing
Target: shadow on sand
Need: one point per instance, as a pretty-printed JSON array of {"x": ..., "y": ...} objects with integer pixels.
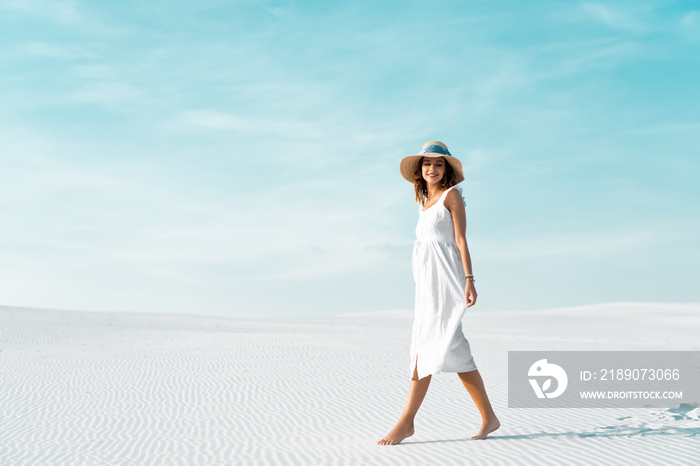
[
  {"x": 615, "y": 431},
  {"x": 669, "y": 416}
]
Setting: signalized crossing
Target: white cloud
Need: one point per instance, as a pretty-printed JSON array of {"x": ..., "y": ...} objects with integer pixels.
[
  {"x": 615, "y": 19},
  {"x": 667, "y": 128},
  {"x": 689, "y": 19},
  {"x": 591, "y": 57},
  {"x": 275, "y": 11},
  {"x": 218, "y": 120},
  {"x": 64, "y": 11},
  {"x": 95, "y": 71},
  {"x": 214, "y": 120},
  {"x": 106, "y": 93},
  {"x": 84, "y": 219},
  {"x": 42, "y": 49},
  {"x": 476, "y": 159},
  {"x": 585, "y": 245},
  {"x": 690, "y": 26}
]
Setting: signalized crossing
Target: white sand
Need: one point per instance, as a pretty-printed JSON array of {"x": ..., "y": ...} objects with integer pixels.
[{"x": 118, "y": 388}]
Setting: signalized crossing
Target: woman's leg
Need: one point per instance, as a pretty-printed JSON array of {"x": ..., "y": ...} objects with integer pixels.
[
  {"x": 404, "y": 428},
  {"x": 475, "y": 386}
]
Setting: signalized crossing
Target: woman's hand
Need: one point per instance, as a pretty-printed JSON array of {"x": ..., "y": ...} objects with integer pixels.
[{"x": 471, "y": 293}]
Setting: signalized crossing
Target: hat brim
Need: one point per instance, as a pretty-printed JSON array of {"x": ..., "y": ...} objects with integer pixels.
[{"x": 409, "y": 164}]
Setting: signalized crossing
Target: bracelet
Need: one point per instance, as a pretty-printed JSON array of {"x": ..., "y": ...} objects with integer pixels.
[{"x": 470, "y": 276}]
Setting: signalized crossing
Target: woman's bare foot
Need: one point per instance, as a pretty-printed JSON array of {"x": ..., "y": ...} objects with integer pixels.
[
  {"x": 398, "y": 434},
  {"x": 486, "y": 428}
]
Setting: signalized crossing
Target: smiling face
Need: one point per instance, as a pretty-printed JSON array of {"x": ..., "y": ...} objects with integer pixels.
[{"x": 433, "y": 169}]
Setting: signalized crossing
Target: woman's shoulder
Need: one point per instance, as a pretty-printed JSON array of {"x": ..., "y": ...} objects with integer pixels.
[
  {"x": 456, "y": 188},
  {"x": 454, "y": 196}
]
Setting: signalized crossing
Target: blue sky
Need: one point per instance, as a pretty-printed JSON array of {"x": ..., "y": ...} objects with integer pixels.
[{"x": 241, "y": 158}]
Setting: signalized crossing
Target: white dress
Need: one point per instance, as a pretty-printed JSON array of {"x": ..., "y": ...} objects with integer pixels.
[{"x": 438, "y": 343}]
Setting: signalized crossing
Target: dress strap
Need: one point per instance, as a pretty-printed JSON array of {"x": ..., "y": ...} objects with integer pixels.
[{"x": 444, "y": 195}]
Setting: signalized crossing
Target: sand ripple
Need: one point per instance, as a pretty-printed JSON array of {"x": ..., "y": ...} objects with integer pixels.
[{"x": 123, "y": 389}]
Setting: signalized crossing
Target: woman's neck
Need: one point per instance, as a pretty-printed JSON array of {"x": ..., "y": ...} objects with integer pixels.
[{"x": 435, "y": 191}]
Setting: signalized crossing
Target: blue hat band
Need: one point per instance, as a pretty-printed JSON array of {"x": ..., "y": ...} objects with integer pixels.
[{"x": 436, "y": 149}]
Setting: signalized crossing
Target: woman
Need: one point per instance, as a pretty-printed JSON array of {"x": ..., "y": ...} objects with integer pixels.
[{"x": 444, "y": 282}]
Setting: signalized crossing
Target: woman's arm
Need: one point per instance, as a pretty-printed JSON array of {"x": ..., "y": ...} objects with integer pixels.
[{"x": 454, "y": 203}]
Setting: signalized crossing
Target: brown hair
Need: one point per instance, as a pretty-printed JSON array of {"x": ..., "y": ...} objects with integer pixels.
[{"x": 421, "y": 186}]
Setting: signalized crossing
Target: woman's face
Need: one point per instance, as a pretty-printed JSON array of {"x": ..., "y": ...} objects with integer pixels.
[{"x": 433, "y": 169}]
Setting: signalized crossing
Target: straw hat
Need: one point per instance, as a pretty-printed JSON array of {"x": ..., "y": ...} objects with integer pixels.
[{"x": 409, "y": 164}]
